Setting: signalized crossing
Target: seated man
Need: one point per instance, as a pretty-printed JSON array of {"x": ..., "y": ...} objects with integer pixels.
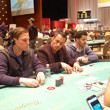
[
  {"x": 55, "y": 55},
  {"x": 18, "y": 61},
  {"x": 79, "y": 50}
]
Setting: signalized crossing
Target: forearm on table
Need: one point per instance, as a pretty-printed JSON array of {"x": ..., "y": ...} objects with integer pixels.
[
  {"x": 91, "y": 57},
  {"x": 9, "y": 80},
  {"x": 22, "y": 80}
]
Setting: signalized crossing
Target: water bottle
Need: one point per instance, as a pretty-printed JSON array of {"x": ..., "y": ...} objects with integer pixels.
[{"x": 48, "y": 72}]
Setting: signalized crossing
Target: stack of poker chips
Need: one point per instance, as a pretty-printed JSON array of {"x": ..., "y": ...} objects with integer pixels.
[{"x": 59, "y": 81}]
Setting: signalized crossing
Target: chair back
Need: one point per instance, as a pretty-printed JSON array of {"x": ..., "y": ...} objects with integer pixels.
[
  {"x": 49, "y": 40},
  {"x": 99, "y": 37},
  {"x": 39, "y": 42},
  {"x": 106, "y": 48},
  {"x": 1, "y": 41},
  {"x": 107, "y": 38},
  {"x": 92, "y": 37}
]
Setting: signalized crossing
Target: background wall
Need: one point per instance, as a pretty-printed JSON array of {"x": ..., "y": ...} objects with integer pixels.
[
  {"x": 103, "y": 14},
  {"x": 23, "y": 20},
  {"x": 5, "y": 14},
  {"x": 54, "y": 9},
  {"x": 81, "y": 5}
]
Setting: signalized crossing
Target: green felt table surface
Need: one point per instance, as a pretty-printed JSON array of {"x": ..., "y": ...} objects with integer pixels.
[
  {"x": 66, "y": 97},
  {"x": 45, "y": 38},
  {"x": 100, "y": 41}
]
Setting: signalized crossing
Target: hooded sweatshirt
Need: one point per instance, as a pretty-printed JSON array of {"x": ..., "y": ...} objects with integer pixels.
[
  {"x": 12, "y": 68},
  {"x": 85, "y": 52}
]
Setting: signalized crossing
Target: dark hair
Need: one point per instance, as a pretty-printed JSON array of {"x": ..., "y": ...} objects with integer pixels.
[
  {"x": 79, "y": 34},
  {"x": 17, "y": 32},
  {"x": 32, "y": 20},
  {"x": 61, "y": 33}
]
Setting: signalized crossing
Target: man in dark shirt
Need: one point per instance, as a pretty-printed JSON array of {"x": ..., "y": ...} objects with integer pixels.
[
  {"x": 55, "y": 55},
  {"x": 3, "y": 28},
  {"x": 32, "y": 33}
]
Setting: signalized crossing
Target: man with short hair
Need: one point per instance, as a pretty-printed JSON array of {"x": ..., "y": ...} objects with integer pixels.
[
  {"x": 55, "y": 55},
  {"x": 32, "y": 33},
  {"x": 18, "y": 62},
  {"x": 79, "y": 50}
]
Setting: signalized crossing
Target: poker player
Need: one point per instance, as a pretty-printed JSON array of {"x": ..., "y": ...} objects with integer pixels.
[
  {"x": 54, "y": 54},
  {"x": 17, "y": 62},
  {"x": 79, "y": 49}
]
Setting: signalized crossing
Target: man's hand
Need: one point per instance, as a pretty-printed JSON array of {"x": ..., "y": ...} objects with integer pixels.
[
  {"x": 29, "y": 82},
  {"x": 40, "y": 78},
  {"x": 105, "y": 108},
  {"x": 77, "y": 67},
  {"x": 82, "y": 59},
  {"x": 68, "y": 69}
]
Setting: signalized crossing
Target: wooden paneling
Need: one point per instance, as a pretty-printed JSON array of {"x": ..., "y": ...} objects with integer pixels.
[
  {"x": 23, "y": 20},
  {"x": 5, "y": 14}
]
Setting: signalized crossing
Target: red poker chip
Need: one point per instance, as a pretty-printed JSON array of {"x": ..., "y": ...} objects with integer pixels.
[
  {"x": 93, "y": 63},
  {"x": 50, "y": 88}
]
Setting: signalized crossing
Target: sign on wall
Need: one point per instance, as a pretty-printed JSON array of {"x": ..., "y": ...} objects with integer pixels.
[
  {"x": 84, "y": 14},
  {"x": 103, "y": 3}
]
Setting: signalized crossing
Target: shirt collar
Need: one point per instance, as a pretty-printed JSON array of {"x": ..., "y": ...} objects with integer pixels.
[{"x": 78, "y": 50}]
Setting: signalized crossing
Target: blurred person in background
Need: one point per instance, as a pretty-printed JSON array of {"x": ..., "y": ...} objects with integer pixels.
[{"x": 33, "y": 33}]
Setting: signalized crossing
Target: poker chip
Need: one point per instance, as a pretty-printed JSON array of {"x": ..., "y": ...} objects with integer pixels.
[
  {"x": 50, "y": 88},
  {"x": 92, "y": 64}
]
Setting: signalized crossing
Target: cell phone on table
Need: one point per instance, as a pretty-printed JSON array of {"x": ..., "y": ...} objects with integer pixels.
[{"x": 94, "y": 103}]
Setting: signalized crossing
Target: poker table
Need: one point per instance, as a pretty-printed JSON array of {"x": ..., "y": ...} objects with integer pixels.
[
  {"x": 99, "y": 35},
  {"x": 45, "y": 38},
  {"x": 94, "y": 43},
  {"x": 68, "y": 96}
]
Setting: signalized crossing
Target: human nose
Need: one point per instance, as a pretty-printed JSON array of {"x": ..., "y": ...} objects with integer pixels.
[
  {"x": 28, "y": 42},
  {"x": 58, "y": 44},
  {"x": 85, "y": 41}
]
